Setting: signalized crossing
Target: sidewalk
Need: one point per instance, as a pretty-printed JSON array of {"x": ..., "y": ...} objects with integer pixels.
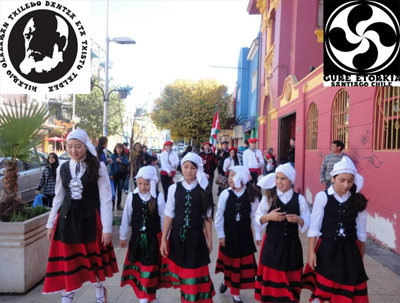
[{"x": 383, "y": 284}]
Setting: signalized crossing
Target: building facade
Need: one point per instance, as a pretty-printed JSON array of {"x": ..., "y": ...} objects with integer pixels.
[{"x": 294, "y": 103}]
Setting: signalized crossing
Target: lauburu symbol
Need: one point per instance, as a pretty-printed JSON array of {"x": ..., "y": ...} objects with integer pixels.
[{"x": 362, "y": 37}]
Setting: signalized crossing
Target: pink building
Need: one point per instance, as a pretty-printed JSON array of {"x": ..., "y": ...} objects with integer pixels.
[{"x": 294, "y": 103}]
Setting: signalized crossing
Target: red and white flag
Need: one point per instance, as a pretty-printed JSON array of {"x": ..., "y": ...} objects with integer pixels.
[{"x": 215, "y": 129}]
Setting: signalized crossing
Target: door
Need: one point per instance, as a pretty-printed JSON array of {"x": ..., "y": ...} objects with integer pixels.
[{"x": 287, "y": 130}]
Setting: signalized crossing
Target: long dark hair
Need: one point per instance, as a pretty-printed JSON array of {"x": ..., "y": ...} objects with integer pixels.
[
  {"x": 53, "y": 166},
  {"x": 359, "y": 199},
  {"x": 93, "y": 165},
  {"x": 123, "y": 149},
  {"x": 271, "y": 196},
  {"x": 235, "y": 158},
  {"x": 252, "y": 191}
]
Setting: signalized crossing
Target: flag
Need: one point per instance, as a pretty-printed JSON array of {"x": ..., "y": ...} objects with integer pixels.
[{"x": 215, "y": 129}]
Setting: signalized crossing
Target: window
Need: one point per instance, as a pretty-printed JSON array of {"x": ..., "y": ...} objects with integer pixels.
[
  {"x": 387, "y": 119},
  {"x": 340, "y": 118},
  {"x": 312, "y": 127}
]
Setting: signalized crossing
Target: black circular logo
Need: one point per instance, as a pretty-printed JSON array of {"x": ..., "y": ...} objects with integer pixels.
[
  {"x": 42, "y": 46},
  {"x": 362, "y": 37}
]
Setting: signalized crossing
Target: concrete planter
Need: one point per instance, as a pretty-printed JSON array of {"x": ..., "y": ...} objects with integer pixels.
[{"x": 24, "y": 250}]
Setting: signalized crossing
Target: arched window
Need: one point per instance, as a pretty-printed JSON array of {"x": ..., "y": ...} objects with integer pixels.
[
  {"x": 312, "y": 127},
  {"x": 340, "y": 118},
  {"x": 387, "y": 119}
]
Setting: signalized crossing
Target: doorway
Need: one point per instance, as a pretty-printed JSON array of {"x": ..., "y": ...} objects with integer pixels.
[{"x": 287, "y": 130}]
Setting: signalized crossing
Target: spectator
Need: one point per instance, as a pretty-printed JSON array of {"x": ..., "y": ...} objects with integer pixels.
[
  {"x": 209, "y": 163},
  {"x": 146, "y": 155},
  {"x": 136, "y": 159},
  {"x": 101, "y": 150},
  {"x": 242, "y": 149},
  {"x": 48, "y": 179},
  {"x": 270, "y": 161},
  {"x": 222, "y": 154},
  {"x": 127, "y": 178},
  {"x": 119, "y": 171},
  {"x": 329, "y": 161}
]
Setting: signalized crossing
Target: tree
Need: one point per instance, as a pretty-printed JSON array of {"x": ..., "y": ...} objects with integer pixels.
[
  {"x": 20, "y": 127},
  {"x": 90, "y": 109},
  {"x": 187, "y": 108}
]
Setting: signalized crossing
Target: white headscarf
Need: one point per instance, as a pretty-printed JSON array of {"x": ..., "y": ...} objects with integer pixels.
[
  {"x": 268, "y": 181},
  {"x": 346, "y": 166},
  {"x": 200, "y": 176},
  {"x": 81, "y": 135},
  {"x": 242, "y": 175},
  {"x": 149, "y": 173}
]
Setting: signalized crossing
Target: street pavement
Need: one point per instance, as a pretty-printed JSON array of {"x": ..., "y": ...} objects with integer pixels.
[{"x": 381, "y": 266}]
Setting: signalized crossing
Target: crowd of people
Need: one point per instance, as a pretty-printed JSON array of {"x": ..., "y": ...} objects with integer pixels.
[{"x": 171, "y": 231}]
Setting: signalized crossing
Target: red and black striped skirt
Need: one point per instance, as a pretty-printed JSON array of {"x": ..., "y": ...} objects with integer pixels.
[
  {"x": 70, "y": 265},
  {"x": 195, "y": 284},
  {"x": 239, "y": 273},
  {"x": 325, "y": 289},
  {"x": 145, "y": 280},
  {"x": 277, "y": 286}
]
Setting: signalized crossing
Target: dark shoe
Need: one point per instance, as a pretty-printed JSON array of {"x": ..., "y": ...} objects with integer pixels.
[
  {"x": 234, "y": 301},
  {"x": 222, "y": 288},
  {"x": 119, "y": 207}
]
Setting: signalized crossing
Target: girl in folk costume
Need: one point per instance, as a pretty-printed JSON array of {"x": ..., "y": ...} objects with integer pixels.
[
  {"x": 284, "y": 212},
  {"x": 169, "y": 163},
  {"x": 187, "y": 218},
  {"x": 237, "y": 206},
  {"x": 335, "y": 270},
  {"x": 80, "y": 223},
  {"x": 231, "y": 161},
  {"x": 253, "y": 160},
  {"x": 144, "y": 214}
]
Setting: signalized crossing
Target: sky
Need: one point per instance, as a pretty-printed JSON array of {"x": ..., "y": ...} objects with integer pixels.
[{"x": 174, "y": 40}]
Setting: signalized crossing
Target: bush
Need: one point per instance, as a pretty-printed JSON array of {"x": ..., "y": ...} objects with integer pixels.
[{"x": 29, "y": 213}]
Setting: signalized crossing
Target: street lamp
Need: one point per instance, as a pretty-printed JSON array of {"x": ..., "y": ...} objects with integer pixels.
[{"x": 106, "y": 94}]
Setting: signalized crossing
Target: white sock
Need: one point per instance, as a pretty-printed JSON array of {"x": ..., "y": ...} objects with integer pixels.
[
  {"x": 143, "y": 301},
  {"x": 223, "y": 282},
  {"x": 237, "y": 298},
  {"x": 315, "y": 301},
  {"x": 99, "y": 292},
  {"x": 67, "y": 297}
]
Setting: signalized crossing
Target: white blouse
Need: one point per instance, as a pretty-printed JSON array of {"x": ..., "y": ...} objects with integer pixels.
[
  {"x": 127, "y": 214},
  {"x": 170, "y": 205},
  {"x": 317, "y": 215},
  {"x": 219, "y": 215},
  {"x": 104, "y": 193},
  {"x": 169, "y": 161},
  {"x": 228, "y": 164},
  {"x": 250, "y": 159},
  {"x": 263, "y": 208}
]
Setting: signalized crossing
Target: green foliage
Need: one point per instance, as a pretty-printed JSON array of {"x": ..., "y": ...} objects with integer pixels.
[
  {"x": 90, "y": 109},
  {"x": 29, "y": 213},
  {"x": 188, "y": 108},
  {"x": 18, "y": 217},
  {"x": 19, "y": 130},
  {"x": 116, "y": 222}
]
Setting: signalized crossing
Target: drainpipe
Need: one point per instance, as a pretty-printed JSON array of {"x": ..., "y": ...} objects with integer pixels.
[{"x": 304, "y": 143}]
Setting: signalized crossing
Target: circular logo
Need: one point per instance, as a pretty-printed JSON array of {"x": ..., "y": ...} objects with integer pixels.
[
  {"x": 42, "y": 46},
  {"x": 362, "y": 37}
]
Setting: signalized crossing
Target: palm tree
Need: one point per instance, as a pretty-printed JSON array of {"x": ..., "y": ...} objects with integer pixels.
[{"x": 19, "y": 135}]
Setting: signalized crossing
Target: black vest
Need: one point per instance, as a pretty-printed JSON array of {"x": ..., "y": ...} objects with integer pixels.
[
  {"x": 285, "y": 228},
  {"x": 188, "y": 248},
  {"x": 338, "y": 255},
  {"x": 239, "y": 240},
  {"x": 77, "y": 218},
  {"x": 282, "y": 247},
  {"x": 143, "y": 245},
  {"x": 339, "y": 218}
]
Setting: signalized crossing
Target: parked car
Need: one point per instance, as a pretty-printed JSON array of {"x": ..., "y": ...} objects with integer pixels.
[
  {"x": 29, "y": 176},
  {"x": 64, "y": 158}
]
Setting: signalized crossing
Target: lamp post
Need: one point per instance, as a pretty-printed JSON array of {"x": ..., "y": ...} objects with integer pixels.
[{"x": 106, "y": 94}]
